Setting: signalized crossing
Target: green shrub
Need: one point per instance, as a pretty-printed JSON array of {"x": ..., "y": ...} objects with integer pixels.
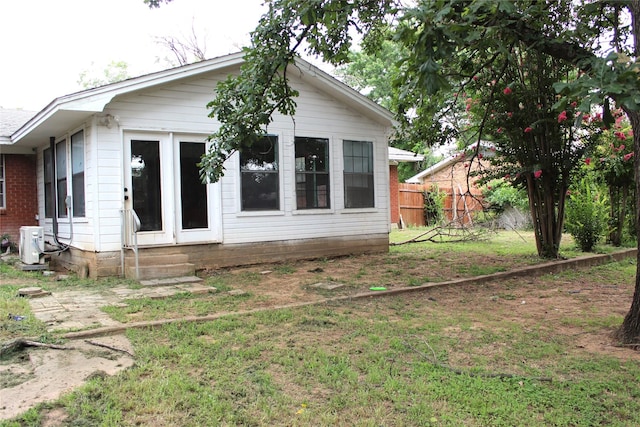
[
  {"x": 500, "y": 194},
  {"x": 586, "y": 214},
  {"x": 434, "y": 205}
]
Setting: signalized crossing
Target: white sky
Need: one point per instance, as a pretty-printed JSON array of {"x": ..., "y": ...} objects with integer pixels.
[{"x": 46, "y": 44}]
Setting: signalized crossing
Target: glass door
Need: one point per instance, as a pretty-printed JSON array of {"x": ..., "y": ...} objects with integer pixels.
[
  {"x": 145, "y": 187},
  {"x": 194, "y": 214}
]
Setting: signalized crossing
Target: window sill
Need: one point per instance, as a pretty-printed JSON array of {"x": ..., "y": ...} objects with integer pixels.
[
  {"x": 359, "y": 210},
  {"x": 259, "y": 213},
  {"x": 314, "y": 212},
  {"x": 79, "y": 220}
]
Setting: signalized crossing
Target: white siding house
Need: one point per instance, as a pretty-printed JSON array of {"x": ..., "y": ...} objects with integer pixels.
[{"x": 317, "y": 185}]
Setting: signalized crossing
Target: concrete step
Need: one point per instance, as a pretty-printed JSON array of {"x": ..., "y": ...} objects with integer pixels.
[
  {"x": 153, "y": 259},
  {"x": 160, "y": 271}
]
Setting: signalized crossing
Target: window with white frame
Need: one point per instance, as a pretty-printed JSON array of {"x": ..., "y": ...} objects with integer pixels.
[
  {"x": 49, "y": 195},
  {"x": 68, "y": 159},
  {"x": 3, "y": 183},
  {"x": 77, "y": 173},
  {"x": 358, "y": 174},
  {"x": 61, "y": 178},
  {"x": 312, "y": 173},
  {"x": 260, "y": 176}
]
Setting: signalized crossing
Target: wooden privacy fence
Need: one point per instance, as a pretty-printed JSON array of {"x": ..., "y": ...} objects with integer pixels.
[{"x": 459, "y": 205}]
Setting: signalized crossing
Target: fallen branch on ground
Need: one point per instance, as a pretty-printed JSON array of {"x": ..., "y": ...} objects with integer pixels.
[
  {"x": 20, "y": 343},
  {"x": 434, "y": 360},
  {"x": 99, "y": 344},
  {"x": 452, "y": 232}
]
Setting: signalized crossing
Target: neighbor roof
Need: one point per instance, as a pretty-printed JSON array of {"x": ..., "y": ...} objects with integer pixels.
[
  {"x": 56, "y": 117},
  {"x": 487, "y": 149},
  {"x": 10, "y": 121},
  {"x": 398, "y": 155}
]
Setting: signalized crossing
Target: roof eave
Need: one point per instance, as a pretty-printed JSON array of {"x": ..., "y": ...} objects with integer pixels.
[{"x": 91, "y": 101}]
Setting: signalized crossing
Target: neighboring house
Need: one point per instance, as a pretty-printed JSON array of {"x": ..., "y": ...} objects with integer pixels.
[
  {"x": 396, "y": 155},
  {"x": 18, "y": 190},
  {"x": 452, "y": 176},
  {"x": 315, "y": 186}
]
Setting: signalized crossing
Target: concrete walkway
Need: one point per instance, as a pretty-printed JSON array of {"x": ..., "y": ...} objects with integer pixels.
[{"x": 76, "y": 310}]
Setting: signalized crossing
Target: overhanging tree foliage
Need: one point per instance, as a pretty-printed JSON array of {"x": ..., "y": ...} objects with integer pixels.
[{"x": 592, "y": 36}]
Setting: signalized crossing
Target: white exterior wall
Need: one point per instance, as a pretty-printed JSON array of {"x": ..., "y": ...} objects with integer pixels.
[
  {"x": 76, "y": 231},
  {"x": 180, "y": 108}
]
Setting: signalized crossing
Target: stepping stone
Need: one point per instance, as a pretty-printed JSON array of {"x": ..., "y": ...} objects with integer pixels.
[
  {"x": 329, "y": 286},
  {"x": 32, "y": 292}
]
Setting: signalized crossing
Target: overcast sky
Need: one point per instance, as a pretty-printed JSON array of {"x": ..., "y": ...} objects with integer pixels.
[{"x": 46, "y": 44}]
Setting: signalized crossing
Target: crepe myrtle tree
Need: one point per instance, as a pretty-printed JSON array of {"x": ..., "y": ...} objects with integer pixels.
[
  {"x": 612, "y": 160},
  {"x": 600, "y": 37},
  {"x": 537, "y": 146}
]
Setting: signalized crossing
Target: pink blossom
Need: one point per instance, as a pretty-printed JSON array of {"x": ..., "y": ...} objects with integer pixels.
[
  {"x": 527, "y": 130},
  {"x": 537, "y": 174},
  {"x": 620, "y": 135},
  {"x": 479, "y": 155},
  {"x": 509, "y": 114},
  {"x": 628, "y": 156},
  {"x": 622, "y": 147},
  {"x": 587, "y": 161},
  {"x": 507, "y": 176},
  {"x": 562, "y": 117},
  {"x": 507, "y": 90},
  {"x": 499, "y": 130},
  {"x": 574, "y": 104},
  {"x": 475, "y": 78}
]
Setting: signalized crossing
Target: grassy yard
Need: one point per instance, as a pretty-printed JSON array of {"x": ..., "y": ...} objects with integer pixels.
[{"x": 528, "y": 351}]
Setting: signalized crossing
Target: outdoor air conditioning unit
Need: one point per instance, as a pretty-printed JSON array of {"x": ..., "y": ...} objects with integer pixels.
[{"x": 31, "y": 244}]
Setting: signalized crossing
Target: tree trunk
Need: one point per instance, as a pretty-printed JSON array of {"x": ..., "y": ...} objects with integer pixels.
[
  {"x": 547, "y": 223},
  {"x": 629, "y": 331}
]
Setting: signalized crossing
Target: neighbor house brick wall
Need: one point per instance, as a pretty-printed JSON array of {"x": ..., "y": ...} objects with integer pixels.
[
  {"x": 455, "y": 175},
  {"x": 22, "y": 201},
  {"x": 394, "y": 194}
]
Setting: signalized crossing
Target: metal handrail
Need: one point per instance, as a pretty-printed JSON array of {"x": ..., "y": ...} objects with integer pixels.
[{"x": 129, "y": 235}]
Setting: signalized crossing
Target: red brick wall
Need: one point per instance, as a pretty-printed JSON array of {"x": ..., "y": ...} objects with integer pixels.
[
  {"x": 393, "y": 194},
  {"x": 455, "y": 175},
  {"x": 22, "y": 200}
]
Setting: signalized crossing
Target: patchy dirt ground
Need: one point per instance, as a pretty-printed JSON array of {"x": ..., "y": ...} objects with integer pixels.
[{"x": 565, "y": 303}]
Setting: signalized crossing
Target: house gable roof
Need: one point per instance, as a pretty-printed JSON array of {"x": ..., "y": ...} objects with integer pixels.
[
  {"x": 67, "y": 111},
  {"x": 486, "y": 148}
]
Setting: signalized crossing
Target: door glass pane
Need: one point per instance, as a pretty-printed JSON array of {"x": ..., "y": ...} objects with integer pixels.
[
  {"x": 145, "y": 183},
  {"x": 193, "y": 191}
]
